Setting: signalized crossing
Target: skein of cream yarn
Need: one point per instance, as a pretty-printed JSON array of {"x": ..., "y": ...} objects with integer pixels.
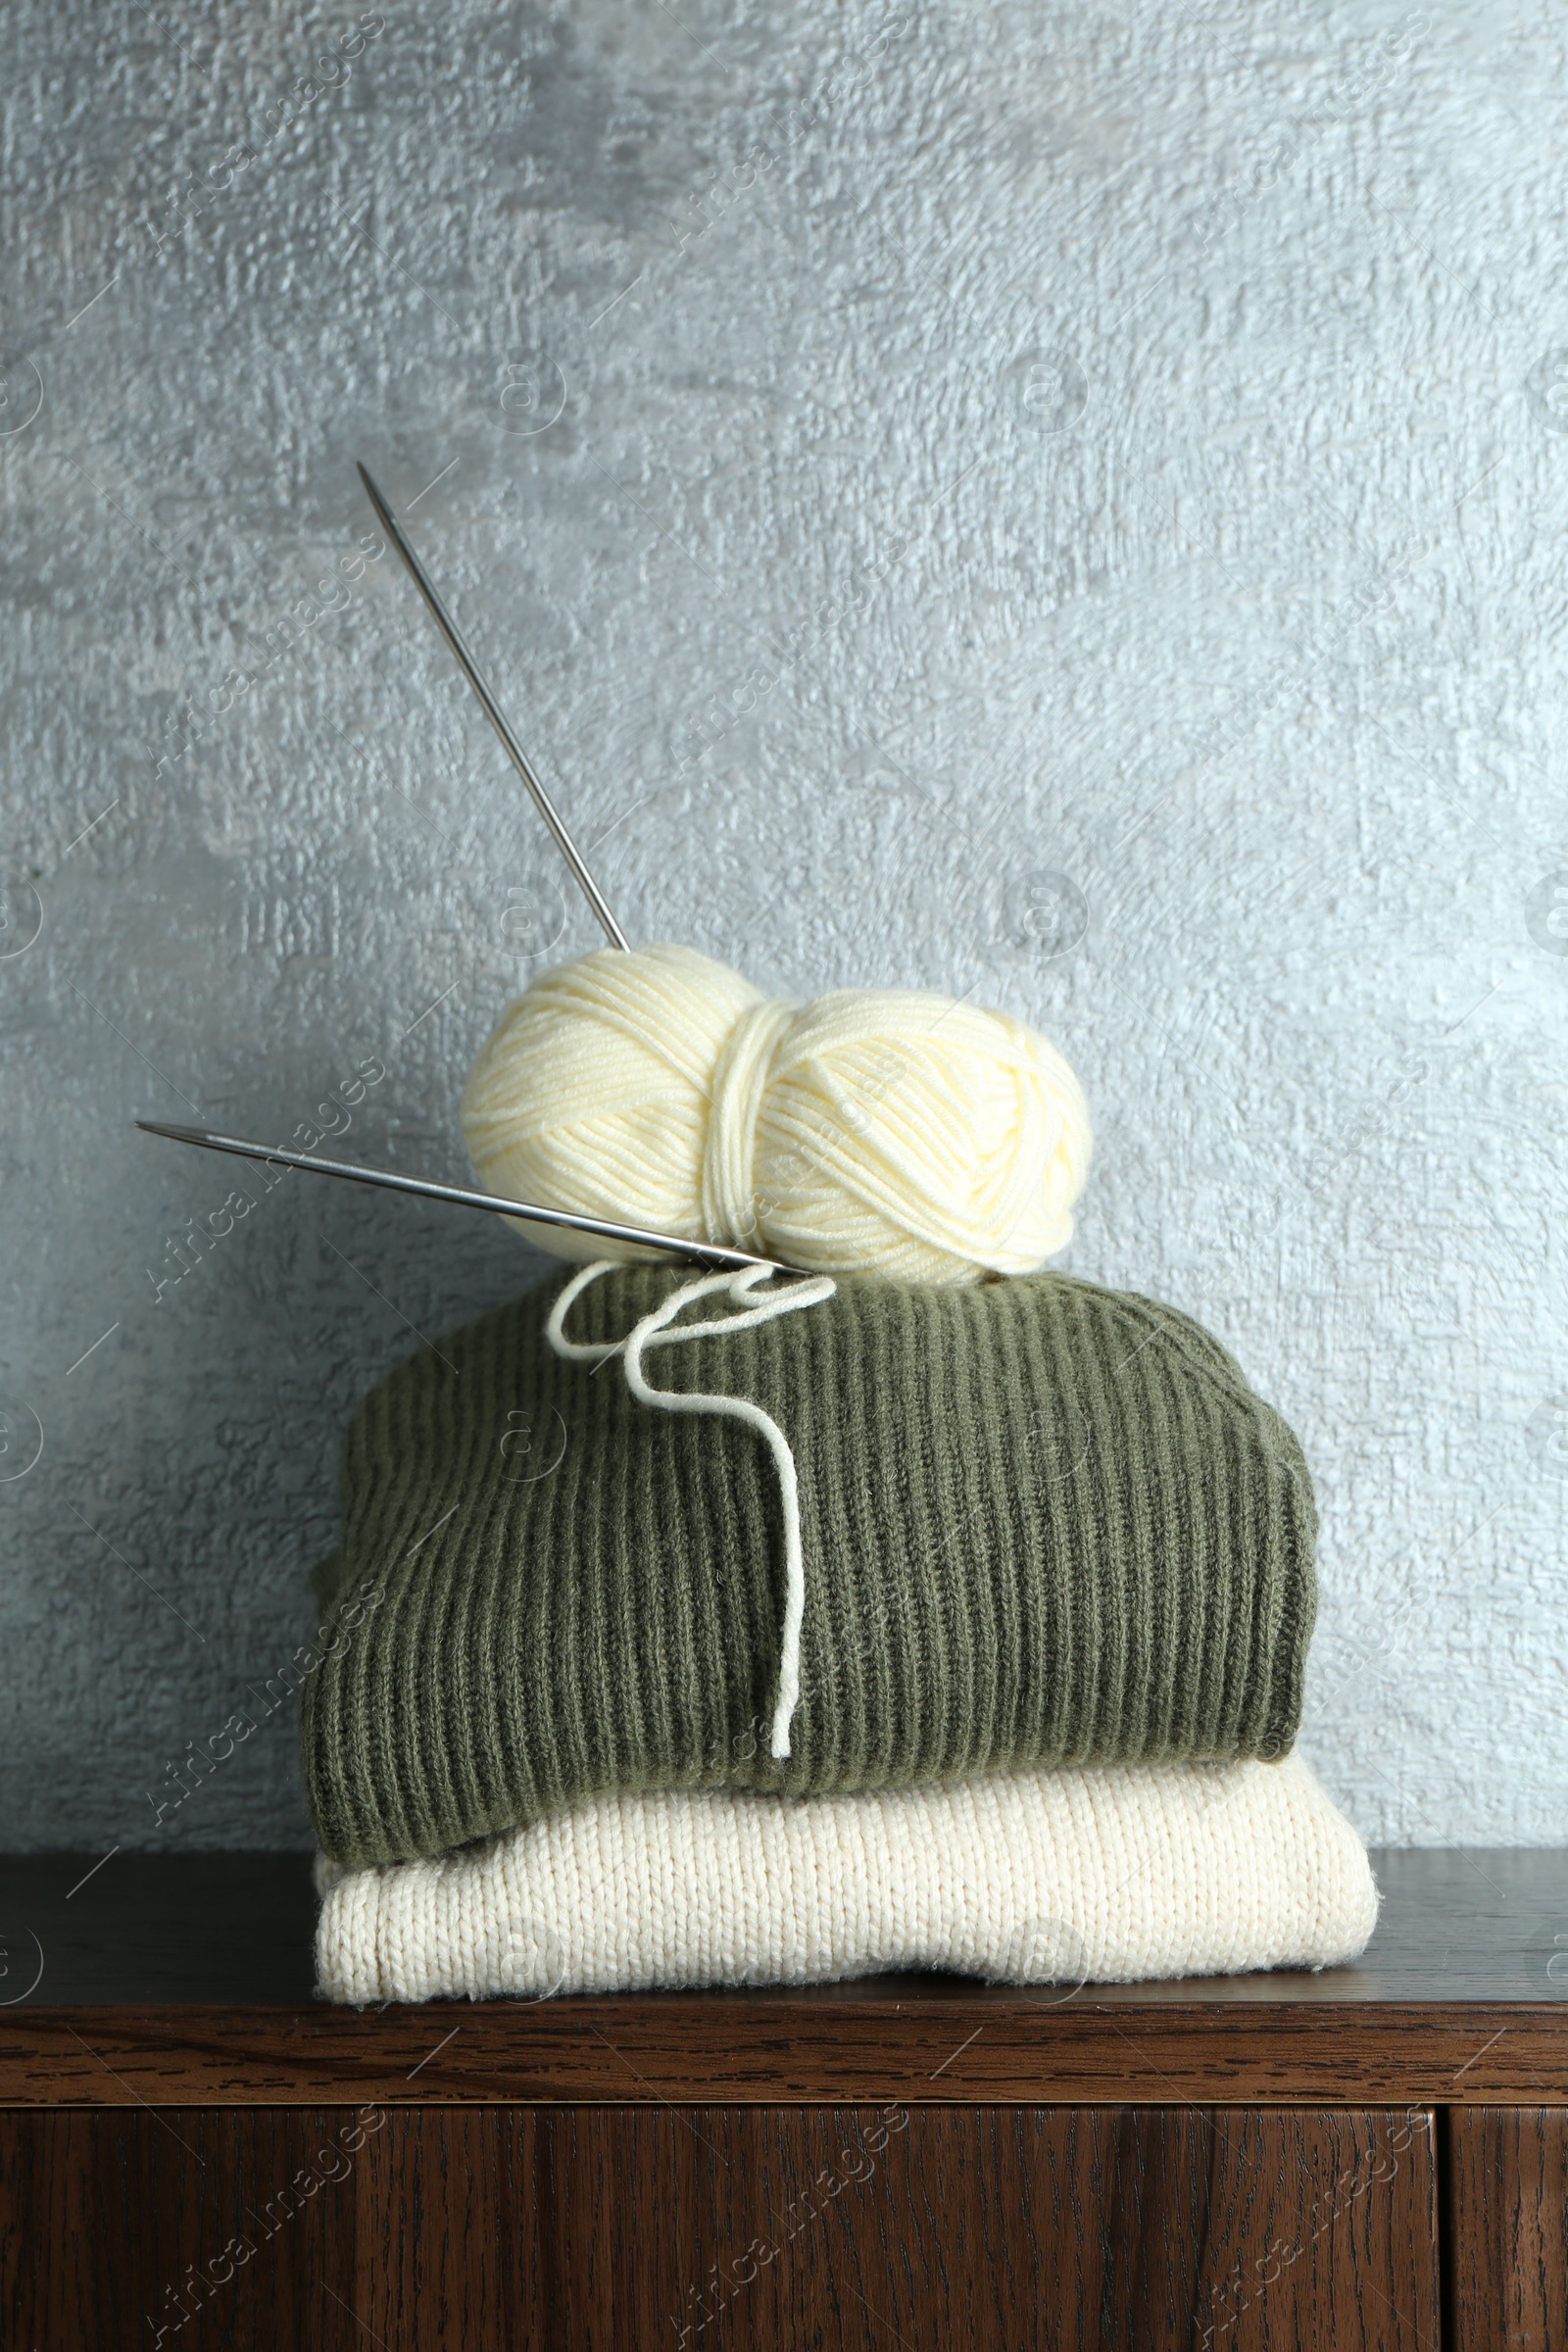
[{"x": 878, "y": 1131}]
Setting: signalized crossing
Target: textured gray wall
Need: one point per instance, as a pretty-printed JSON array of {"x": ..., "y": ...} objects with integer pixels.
[{"x": 1096, "y": 480}]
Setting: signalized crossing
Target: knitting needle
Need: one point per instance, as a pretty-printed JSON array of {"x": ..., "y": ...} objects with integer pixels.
[
  {"x": 712, "y": 1254},
  {"x": 494, "y": 713}
]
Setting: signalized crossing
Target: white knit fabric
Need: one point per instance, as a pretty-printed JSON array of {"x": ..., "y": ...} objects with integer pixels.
[{"x": 1104, "y": 1873}]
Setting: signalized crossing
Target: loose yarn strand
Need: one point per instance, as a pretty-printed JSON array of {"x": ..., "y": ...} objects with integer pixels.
[{"x": 654, "y": 1330}]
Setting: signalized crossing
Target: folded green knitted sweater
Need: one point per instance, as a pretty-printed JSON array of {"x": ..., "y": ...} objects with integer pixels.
[{"x": 1039, "y": 1521}]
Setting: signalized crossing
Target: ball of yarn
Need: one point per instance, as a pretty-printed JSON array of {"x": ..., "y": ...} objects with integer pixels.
[{"x": 878, "y": 1131}]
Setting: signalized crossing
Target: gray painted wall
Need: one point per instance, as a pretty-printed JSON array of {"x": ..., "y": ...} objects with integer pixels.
[{"x": 1096, "y": 480}]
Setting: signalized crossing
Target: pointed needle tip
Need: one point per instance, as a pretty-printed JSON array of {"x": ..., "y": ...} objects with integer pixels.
[{"x": 371, "y": 492}]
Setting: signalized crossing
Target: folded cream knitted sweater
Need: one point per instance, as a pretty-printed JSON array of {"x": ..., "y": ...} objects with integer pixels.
[{"x": 1109, "y": 1873}]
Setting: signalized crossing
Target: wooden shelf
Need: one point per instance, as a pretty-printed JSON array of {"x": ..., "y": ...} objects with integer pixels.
[
  {"x": 1374, "y": 2159},
  {"x": 170, "y": 1980}
]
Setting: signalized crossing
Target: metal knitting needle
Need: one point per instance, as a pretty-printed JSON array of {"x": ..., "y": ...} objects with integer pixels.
[
  {"x": 703, "y": 1254},
  {"x": 494, "y": 713}
]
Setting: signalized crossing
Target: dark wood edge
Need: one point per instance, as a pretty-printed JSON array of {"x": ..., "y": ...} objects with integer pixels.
[{"x": 685, "y": 2049}]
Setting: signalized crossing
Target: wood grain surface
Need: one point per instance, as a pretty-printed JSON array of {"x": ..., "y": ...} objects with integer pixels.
[
  {"x": 941, "y": 2042},
  {"x": 594, "y": 2230},
  {"x": 183, "y": 1979},
  {"x": 1506, "y": 2225}
]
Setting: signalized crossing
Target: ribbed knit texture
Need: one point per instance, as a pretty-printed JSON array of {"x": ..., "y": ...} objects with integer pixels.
[
  {"x": 1105, "y": 1874},
  {"x": 1042, "y": 1522}
]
